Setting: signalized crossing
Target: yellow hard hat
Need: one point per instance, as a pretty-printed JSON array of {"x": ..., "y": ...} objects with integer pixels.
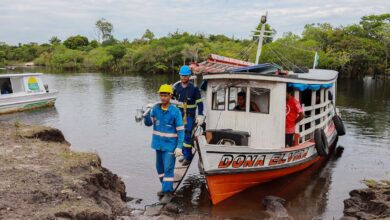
[{"x": 165, "y": 89}]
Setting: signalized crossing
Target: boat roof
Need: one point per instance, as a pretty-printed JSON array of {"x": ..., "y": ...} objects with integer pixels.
[
  {"x": 7, "y": 75},
  {"x": 266, "y": 72},
  {"x": 216, "y": 64}
]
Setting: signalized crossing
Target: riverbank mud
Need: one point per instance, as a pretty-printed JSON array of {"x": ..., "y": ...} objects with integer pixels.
[
  {"x": 369, "y": 203},
  {"x": 41, "y": 178}
]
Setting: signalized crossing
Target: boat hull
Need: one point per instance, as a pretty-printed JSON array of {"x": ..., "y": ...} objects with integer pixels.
[
  {"x": 237, "y": 171},
  {"x": 17, "y": 103}
]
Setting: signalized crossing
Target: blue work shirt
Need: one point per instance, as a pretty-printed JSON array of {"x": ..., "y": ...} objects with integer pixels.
[
  {"x": 191, "y": 95},
  {"x": 168, "y": 129}
]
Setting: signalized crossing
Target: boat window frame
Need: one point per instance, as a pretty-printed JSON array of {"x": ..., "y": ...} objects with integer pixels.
[
  {"x": 224, "y": 101},
  {"x": 228, "y": 98},
  {"x": 248, "y": 97},
  {"x": 269, "y": 100},
  {"x": 8, "y": 80}
]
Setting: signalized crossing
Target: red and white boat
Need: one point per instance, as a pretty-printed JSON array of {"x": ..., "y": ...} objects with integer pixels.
[
  {"x": 244, "y": 148},
  {"x": 241, "y": 149}
]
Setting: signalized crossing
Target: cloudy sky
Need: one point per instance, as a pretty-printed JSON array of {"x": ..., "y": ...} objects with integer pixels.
[{"x": 37, "y": 20}]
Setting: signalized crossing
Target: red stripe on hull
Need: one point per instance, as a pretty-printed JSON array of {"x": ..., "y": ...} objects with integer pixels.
[{"x": 223, "y": 186}]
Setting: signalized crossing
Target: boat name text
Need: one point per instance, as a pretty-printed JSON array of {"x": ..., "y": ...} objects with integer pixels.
[{"x": 260, "y": 160}]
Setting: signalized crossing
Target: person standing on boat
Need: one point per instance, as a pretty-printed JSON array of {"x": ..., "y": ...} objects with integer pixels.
[
  {"x": 189, "y": 95},
  {"x": 168, "y": 137},
  {"x": 294, "y": 114}
]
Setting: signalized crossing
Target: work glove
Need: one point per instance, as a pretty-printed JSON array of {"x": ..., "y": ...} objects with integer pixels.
[
  {"x": 178, "y": 152},
  {"x": 199, "y": 120},
  {"x": 150, "y": 105}
]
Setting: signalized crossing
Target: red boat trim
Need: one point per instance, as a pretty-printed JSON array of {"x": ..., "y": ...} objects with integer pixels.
[{"x": 269, "y": 168}]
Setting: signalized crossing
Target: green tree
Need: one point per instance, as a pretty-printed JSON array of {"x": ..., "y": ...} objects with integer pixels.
[
  {"x": 104, "y": 29},
  {"x": 76, "y": 42},
  {"x": 148, "y": 35},
  {"x": 109, "y": 41},
  {"x": 191, "y": 52},
  {"x": 94, "y": 44},
  {"x": 117, "y": 51},
  {"x": 54, "y": 40}
]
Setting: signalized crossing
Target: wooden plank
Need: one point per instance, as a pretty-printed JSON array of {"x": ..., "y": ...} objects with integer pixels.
[{"x": 180, "y": 172}]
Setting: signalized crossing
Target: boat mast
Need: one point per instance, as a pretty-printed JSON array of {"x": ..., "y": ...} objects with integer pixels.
[{"x": 261, "y": 36}]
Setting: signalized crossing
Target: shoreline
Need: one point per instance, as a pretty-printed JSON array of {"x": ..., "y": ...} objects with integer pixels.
[
  {"x": 372, "y": 202},
  {"x": 41, "y": 178}
]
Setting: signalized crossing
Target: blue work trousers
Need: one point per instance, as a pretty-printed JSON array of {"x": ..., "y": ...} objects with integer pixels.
[{"x": 165, "y": 164}]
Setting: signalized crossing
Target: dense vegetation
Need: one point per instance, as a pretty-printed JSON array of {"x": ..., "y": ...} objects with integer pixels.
[{"x": 354, "y": 50}]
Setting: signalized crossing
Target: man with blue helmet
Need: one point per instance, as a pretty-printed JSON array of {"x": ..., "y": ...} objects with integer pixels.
[{"x": 189, "y": 97}]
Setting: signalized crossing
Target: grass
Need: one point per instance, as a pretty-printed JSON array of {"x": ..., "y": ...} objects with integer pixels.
[{"x": 377, "y": 184}]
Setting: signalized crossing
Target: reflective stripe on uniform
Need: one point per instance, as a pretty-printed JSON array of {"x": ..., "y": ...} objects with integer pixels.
[
  {"x": 162, "y": 134},
  {"x": 179, "y": 128},
  {"x": 188, "y": 106},
  {"x": 161, "y": 175},
  {"x": 168, "y": 179},
  {"x": 187, "y": 145},
  {"x": 198, "y": 101}
]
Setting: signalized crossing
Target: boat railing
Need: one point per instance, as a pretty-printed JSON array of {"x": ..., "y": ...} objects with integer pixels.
[{"x": 313, "y": 121}]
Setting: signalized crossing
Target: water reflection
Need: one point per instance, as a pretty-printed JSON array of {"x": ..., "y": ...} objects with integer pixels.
[
  {"x": 304, "y": 192},
  {"x": 366, "y": 105}
]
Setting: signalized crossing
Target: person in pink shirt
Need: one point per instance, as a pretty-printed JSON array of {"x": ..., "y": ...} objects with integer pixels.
[{"x": 294, "y": 114}]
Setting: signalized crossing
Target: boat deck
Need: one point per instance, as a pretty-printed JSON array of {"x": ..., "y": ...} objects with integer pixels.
[{"x": 180, "y": 172}]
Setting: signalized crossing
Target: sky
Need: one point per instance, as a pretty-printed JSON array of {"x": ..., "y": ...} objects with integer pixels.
[{"x": 24, "y": 21}]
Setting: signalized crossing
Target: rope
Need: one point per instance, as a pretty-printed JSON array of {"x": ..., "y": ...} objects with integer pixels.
[
  {"x": 244, "y": 52},
  {"x": 248, "y": 49},
  {"x": 287, "y": 60},
  {"x": 297, "y": 48},
  {"x": 277, "y": 56}
]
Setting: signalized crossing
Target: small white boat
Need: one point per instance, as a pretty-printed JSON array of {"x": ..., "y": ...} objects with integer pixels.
[{"x": 20, "y": 92}]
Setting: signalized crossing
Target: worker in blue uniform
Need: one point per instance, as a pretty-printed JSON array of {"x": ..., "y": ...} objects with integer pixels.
[
  {"x": 190, "y": 99},
  {"x": 168, "y": 136}
]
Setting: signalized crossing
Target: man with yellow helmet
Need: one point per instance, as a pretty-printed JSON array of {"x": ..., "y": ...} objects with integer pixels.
[
  {"x": 189, "y": 95},
  {"x": 168, "y": 137}
]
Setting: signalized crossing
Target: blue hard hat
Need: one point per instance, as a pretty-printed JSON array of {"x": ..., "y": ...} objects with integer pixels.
[{"x": 185, "y": 71}]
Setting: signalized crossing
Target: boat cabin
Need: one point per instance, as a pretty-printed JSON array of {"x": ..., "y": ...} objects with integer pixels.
[
  {"x": 249, "y": 108},
  {"x": 21, "y": 83}
]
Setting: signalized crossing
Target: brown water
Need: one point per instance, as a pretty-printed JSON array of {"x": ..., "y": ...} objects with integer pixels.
[{"x": 96, "y": 113}]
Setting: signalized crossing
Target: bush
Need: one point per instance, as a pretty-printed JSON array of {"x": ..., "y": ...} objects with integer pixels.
[
  {"x": 76, "y": 42},
  {"x": 66, "y": 59},
  {"x": 98, "y": 59}
]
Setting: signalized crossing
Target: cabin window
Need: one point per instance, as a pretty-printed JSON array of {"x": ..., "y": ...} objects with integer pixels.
[
  {"x": 5, "y": 86},
  {"x": 219, "y": 99},
  {"x": 237, "y": 99},
  {"x": 259, "y": 100}
]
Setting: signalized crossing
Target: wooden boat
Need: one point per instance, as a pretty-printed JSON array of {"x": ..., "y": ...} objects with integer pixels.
[
  {"x": 241, "y": 149},
  {"x": 25, "y": 91}
]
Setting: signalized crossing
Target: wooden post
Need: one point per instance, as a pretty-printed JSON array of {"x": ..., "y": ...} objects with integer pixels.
[
  {"x": 321, "y": 102},
  {"x": 313, "y": 111},
  {"x": 296, "y": 95}
]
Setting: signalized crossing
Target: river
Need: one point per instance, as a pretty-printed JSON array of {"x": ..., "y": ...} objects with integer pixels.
[{"x": 96, "y": 113}]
